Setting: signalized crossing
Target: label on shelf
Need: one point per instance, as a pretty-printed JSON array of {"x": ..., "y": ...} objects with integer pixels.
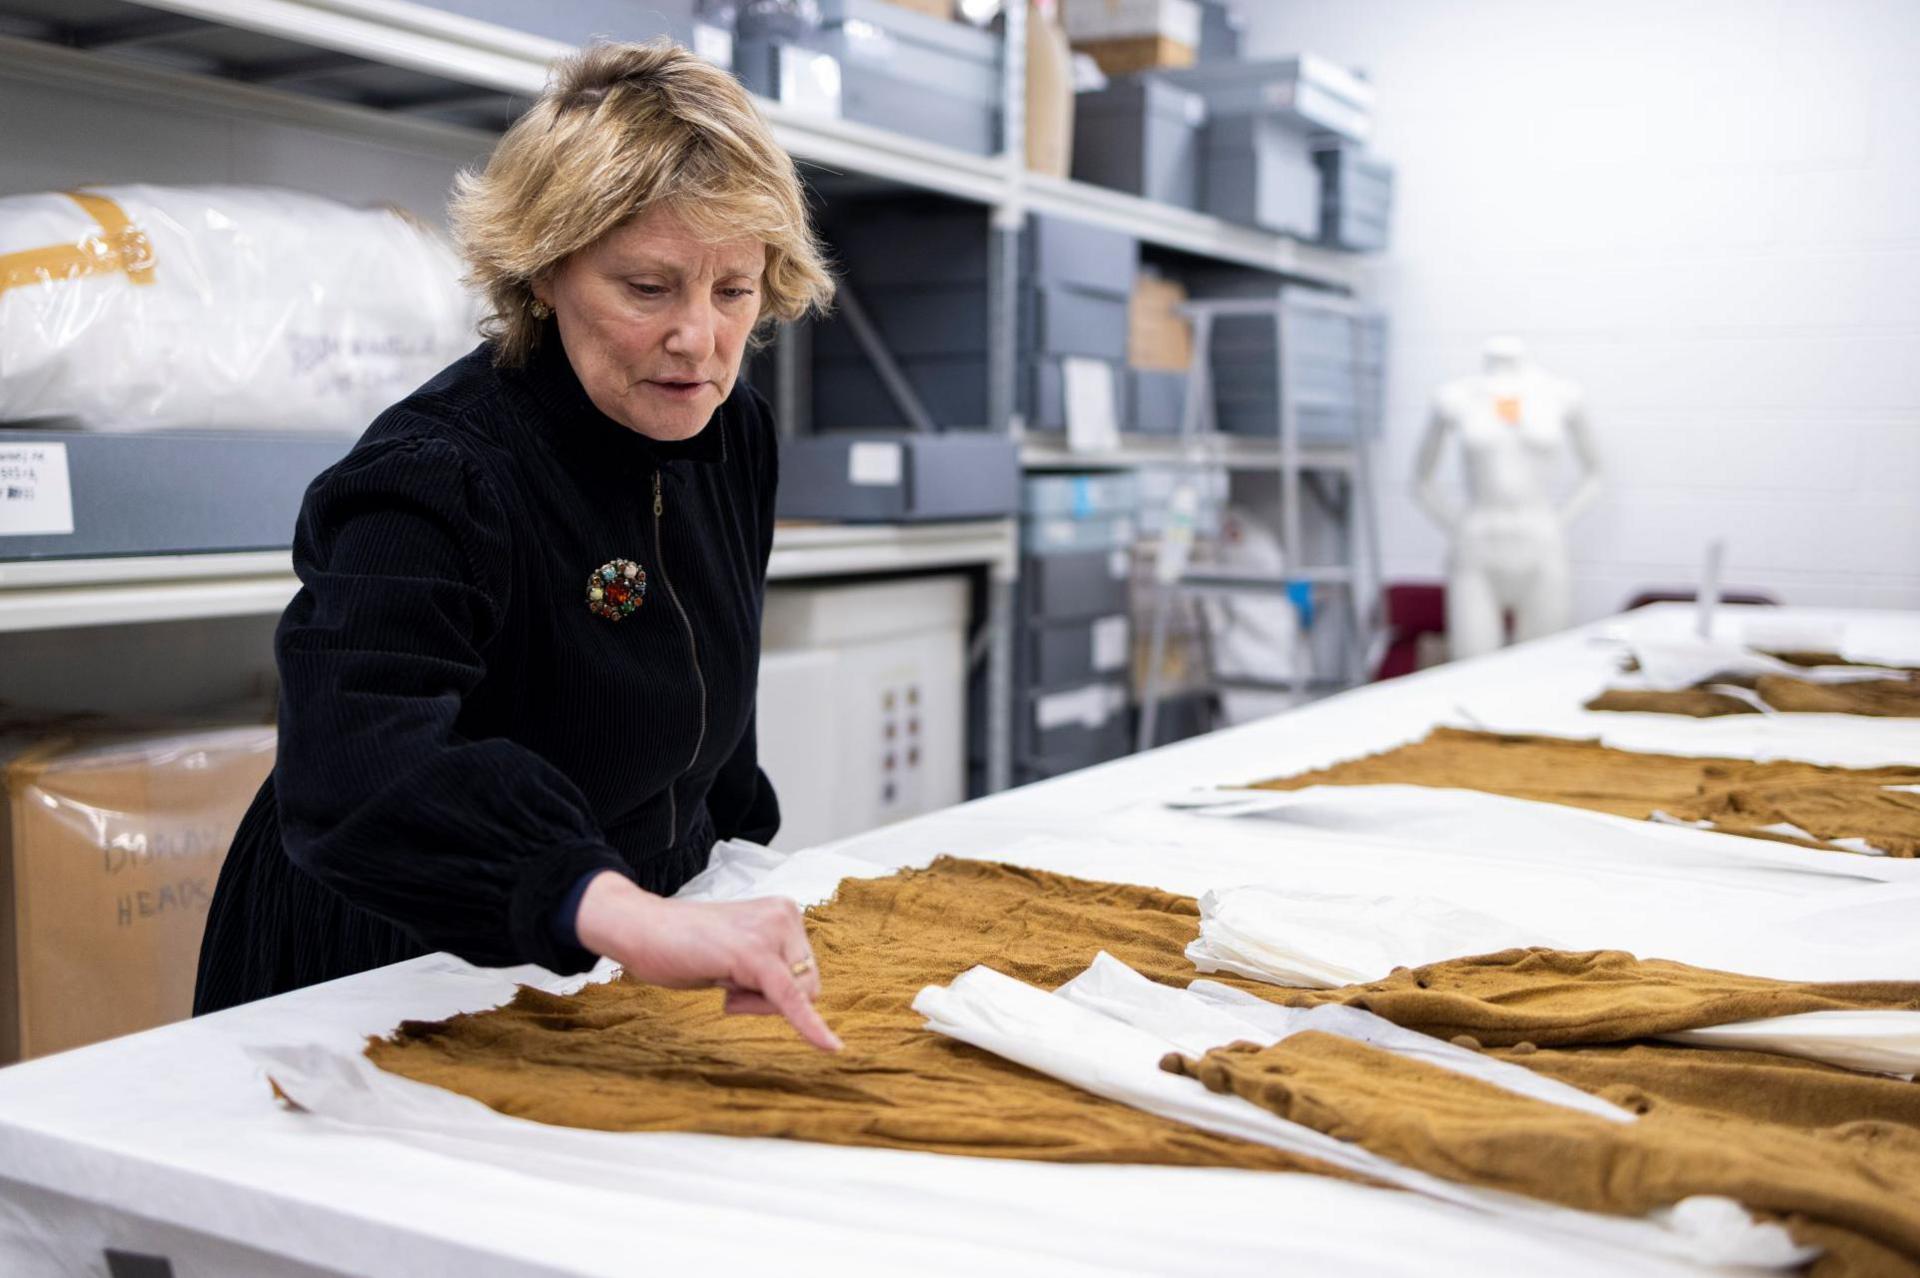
[
  {"x": 875, "y": 464},
  {"x": 36, "y": 497},
  {"x": 1109, "y": 643},
  {"x": 1093, "y": 424}
]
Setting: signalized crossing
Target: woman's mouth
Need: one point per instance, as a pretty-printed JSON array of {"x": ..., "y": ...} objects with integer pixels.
[{"x": 675, "y": 389}]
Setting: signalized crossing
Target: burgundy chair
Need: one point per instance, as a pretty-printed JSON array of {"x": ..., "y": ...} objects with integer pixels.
[{"x": 1413, "y": 608}]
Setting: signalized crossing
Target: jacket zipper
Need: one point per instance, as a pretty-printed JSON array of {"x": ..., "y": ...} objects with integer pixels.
[{"x": 693, "y": 650}]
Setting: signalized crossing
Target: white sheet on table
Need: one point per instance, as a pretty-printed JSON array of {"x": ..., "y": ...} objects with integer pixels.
[
  {"x": 1208, "y": 1014},
  {"x": 1120, "y": 1061},
  {"x": 1317, "y": 941},
  {"x": 1673, "y": 664},
  {"x": 1476, "y": 824}
]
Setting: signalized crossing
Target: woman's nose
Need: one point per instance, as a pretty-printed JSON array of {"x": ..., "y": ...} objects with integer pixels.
[{"x": 692, "y": 333}]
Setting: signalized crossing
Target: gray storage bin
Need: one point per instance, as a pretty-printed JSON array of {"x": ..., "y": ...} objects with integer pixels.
[
  {"x": 1044, "y": 535},
  {"x": 1063, "y": 587},
  {"x": 848, "y": 394},
  {"x": 914, "y": 320},
  {"x": 884, "y": 243},
  {"x": 1083, "y": 741},
  {"x": 1067, "y": 320},
  {"x": 1064, "y": 654},
  {"x": 875, "y": 92},
  {"x": 1046, "y": 407},
  {"x": 1221, "y": 32},
  {"x": 1157, "y": 401},
  {"x": 1356, "y": 199},
  {"x": 920, "y": 477},
  {"x": 167, "y": 494},
  {"x": 1142, "y": 136},
  {"x": 939, "y": 242},
  {"x": 1260, "y": 172},
  {"x": 1312, "y": 92},
  {"x": 1061, "y": 251},
  {"x": 1080, "y": 496}
]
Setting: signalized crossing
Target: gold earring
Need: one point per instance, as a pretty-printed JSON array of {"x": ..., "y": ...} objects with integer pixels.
[{"x": 539, "y": 308}]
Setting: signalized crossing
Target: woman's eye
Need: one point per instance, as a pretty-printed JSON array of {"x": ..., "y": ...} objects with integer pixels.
[
  {"x": 736, "y": 293},
  {"x": 646, "y": 290}
]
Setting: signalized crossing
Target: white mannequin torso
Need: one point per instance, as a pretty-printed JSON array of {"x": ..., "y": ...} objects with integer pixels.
[{"x": 1514, "y": 422}]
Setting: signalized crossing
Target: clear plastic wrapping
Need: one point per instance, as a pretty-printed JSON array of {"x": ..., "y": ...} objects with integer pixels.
[
  {"x": 220, "y": 307},
  {"x": 110, "y": 848}
]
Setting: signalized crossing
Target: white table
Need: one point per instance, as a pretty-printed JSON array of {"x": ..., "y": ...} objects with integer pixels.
[{"x": 168, "y": 1143}]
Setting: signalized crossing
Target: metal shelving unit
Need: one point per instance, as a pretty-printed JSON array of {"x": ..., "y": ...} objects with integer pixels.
[{"x": 373, "y": 68}]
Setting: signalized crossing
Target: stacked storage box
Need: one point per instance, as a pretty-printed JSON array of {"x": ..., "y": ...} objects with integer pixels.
[
  {"x": 1124, "y": 36},
  {"x": 1263, "y": 119},
  {"x": 921, "y": 270},
  {"x": 1143, "y": 136},
  {"x": 1356, "y": 197},
  {"x": 1334, "y": 355},
  {"x": 1159, "y": 356},
  {"x": 1073, "y": 640},
  {"x": 898, "y": 69}
]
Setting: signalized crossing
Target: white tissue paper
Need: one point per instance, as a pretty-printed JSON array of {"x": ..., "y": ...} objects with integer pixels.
[{"x": 1117, "y": 1059}]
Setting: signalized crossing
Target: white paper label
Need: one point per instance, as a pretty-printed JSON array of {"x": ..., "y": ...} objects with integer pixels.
[
  {"x": 1117, "y": 565},
  {"x": 1089, "y": 707},
  {"x": 36, "y": 497},
  {"x": 1093, "y": 426},
  {"x": 875, "y": 465},
  {"x": 1109, "y": 643}
]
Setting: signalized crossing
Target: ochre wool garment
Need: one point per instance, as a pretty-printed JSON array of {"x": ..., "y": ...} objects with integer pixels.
[
  {"x": 1561, "y": 997},
  {"x": 1739, "y": 796},
  {"x": 1881, "y": 698},
  {"x": 1755, "y": 1087},
  {"x": 1849, "y": 1186},
  {"x": 630, "y": 1057}
]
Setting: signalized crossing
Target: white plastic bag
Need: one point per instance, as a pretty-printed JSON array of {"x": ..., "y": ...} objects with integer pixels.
[{"x": 148, "y": 307}]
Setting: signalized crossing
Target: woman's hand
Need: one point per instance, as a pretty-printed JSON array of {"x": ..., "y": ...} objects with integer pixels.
[{"x": 748, "y": 948}]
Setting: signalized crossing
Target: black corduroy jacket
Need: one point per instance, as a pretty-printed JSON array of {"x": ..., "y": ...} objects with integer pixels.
[{"x": 462, "y": 737}]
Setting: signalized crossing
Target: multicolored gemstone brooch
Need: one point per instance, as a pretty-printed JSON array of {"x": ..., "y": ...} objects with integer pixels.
[{"x": 616, "y": 589}]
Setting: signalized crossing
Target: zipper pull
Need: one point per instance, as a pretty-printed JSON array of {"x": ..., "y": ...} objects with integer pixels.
[{"x": 658, "y": 504}]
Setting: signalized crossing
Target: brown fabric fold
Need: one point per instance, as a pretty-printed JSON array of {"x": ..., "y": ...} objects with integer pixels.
[
  {"x": 1879, "y": 698},
  {"x": 1849, "y": 1186},
  {"x": 1557, "y": 997},
  {"x": 1738, "y": 796},
  {"x": 629, "y": 1057}
]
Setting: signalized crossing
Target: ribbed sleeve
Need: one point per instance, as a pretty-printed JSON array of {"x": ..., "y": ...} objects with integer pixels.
[{"x": 467, "y": 844}]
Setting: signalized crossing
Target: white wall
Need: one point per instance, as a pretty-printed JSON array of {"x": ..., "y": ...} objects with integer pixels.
[{"x": 1705, "y": 211}]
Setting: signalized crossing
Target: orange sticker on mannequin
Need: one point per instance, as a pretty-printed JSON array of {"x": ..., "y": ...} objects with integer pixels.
[{"x": 1508, "y": 406}]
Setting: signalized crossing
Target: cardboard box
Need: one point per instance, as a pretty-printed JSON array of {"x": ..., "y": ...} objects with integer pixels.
[
  {"x": 1175, "y": 20},
  {"x": 1130, "y": 54},
  {"x": 1158, "y": 335},
  {"x": 109, "y": 851},
  {"x": 1050, "y": 106}
]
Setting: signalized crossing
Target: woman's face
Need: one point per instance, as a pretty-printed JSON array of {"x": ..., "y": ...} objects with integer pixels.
[{"x": 655, "y": 320}]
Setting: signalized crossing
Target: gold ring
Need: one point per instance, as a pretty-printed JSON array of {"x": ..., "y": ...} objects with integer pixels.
[{"x": 802, "y": 967}]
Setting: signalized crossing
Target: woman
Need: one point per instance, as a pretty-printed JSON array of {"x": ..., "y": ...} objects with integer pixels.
[{"x": 517, "y": 684}]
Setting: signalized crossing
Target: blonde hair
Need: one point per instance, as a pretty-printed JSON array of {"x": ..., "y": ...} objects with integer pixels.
[{"x": 622, "y": 129}]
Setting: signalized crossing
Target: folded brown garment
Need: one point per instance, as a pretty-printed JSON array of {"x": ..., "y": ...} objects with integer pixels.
[
  {"x": 1848, "y": 1187},
  {"x": 1881, "y": 698},
  {"x": 628, "y": 1057},
  {"x": 1738, "y": 796},
  {"x": 1561, "y": 997}
]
